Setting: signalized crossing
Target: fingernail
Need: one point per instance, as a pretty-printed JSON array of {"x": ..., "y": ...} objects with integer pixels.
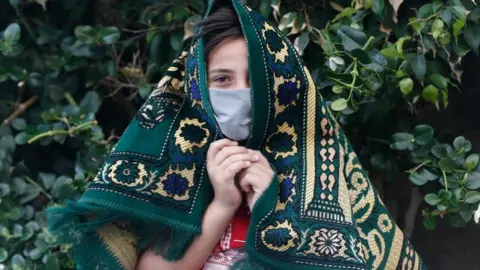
[
  {"x": 248, "y": 163},
  {"x": 255, "y": 157}
]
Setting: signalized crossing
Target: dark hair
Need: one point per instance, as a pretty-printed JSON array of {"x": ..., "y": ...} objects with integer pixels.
[{"x": 221, "y": 24}]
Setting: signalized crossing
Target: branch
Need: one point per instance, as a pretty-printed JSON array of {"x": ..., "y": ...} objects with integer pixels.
[{"x": 19, "y": 110}]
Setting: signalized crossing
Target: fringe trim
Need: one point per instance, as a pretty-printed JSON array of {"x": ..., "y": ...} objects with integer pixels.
[{"x": 75, "y": 225}]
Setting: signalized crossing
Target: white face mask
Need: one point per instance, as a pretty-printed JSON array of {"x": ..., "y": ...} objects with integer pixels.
[{"x": 233, "y": 111}]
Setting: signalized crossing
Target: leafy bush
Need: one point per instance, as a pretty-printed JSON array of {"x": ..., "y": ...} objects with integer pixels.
[{"x": 73, "y": 71}]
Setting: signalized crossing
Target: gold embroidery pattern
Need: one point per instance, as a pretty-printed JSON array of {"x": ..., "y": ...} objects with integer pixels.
[
  {"x": 327, "y": 242},
  {"x": 285, "y": 130},
  {"x": 384, "y": 223},
  {"x": 281, "y": 52},
  {"x": 121, "y": 244},
  {"x": 309, "y": 154},
  {"x": 187, "y": 145}
]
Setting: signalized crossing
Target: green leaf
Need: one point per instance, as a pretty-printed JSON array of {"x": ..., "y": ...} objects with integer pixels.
[
  {"x": 402, "y": 141},
  {"x": 110, "y": 35},
  {"x": 419, "y": 65},
  {"x": 91, "y": 102},
  {"x": 362, "y": 56},
  {"x": 352, "y": 38},
  {"x": 378, "y": 6},
  {"x": 473, "y": 180},
  {"x": 462, "y": 145},
  {"x": 7, "y": 142},
  {"x": 347, "y": 12},
  {"x": 18, "y": 261},
  {"x": 474, "y": 15},
  {"x": 19, "y": 186},
  {"x": 52, "y": 263},
  {"x": 432, "y": 199},
  {"x": 176, "y": 40},
  {"x": 145, "y": 91},
  {"x": 339, "y": 104},
  {"x": 457, "y": 221},
  {"x": 22, "y": 138},
  {"x": 427, "y": 174},
  {"x": 19, "y": 124},
  {"x": 437, "y": 28},
  {"x": 446, "y": 16},
  {"x": 417, "y": 179},
  {"x": 391, "y": 52},
  {"x": 472, "y": 197},
  {"x": 287, "y": 20},
  {"x": 457, "y": 28},
  {"x": 12, "y": 33},
  {"x": 406, "y": 86},
  {"x": 441, "y": 207},
  {"x": 337, "y": 89},
  {"x": 423, "y": 134},
  {"x": 4, "y": 189},
  {"x": 439, "y": 81},
  {"x": 378, "y": 161},
  {"x": 446, "y": 164},
  {"x": 440, "y": 150},
  {"x": 459, "y": 11},
  {"x": 48, "y": 179},
  {"x": 85, "y": 33},
  {"x": 35, "y": 254},
  {"x": 444, "y": 195},
  {"x": 3, "y": 255},
  {"x": 425, "y": 11},
  {"x": 472, "y": 36},
  {"x": 301, "y": 42},
  {"x": 429, "y": 222},
  {"x": 471, "y": 162},
  {"x": 430, "y": 93}
]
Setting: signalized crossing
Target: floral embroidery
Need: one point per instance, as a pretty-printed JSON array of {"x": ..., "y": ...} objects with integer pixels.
[
  {"x": 195, "y": 90},
  {"x": 287, "y": 93},
  {"x": 274, "y": 42},
  {"x": 328, "y": 242},
  {"x": 191, "y": 134},
  {"x": 286, "y": 190},
  {"x": 280, "y": 237},
  {"x": 283, "y": 142},
  {"x": 175, "y": 185},
  {"x": 127, "y": 173}
]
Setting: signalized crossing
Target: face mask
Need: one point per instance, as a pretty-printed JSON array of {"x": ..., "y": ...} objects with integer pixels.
[{"x": 233, "y": 111}]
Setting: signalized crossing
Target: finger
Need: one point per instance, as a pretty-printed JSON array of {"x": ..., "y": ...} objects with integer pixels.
[
  {"x": 238, "y": 157},
  {"x": 245, "y": 183},
  {"x": 262, "y": 158},
  {"x": 235, "y": 167},
  {"x": 216, "y": 146},
  {"x": 228, "y": 151}
]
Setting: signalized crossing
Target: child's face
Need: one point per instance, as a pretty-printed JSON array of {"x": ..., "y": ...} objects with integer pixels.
[{"x": 228, "y": 65}]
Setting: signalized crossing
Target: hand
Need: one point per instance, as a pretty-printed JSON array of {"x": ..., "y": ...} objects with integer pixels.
[
  {"x": 224, "y": 160},
  {"x": 255, "y": 179}
]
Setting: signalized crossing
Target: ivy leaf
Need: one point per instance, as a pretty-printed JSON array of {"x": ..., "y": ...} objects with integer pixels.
[
  {"x": 430, "y": 93},
  {"x": 352, "y": 38},
  {"x": 446, "y": 16},
  {"x": 378, "y": 6},
  {"x": 406, "y": 86},
  {"x": 472, "y": 36},
  {"x": 472, "y": 197},
  {"x": 85, "y": 33},
  {"x": 362, "y": 56},
  {"x": 471, "y": 162},
  {"x": 403, "y": 141},
  {"x": 339, "y": 104},
  {"x": 12, "y": 33},
  {"x": 110, "y": 35},
  {"x": 473, "y": 180},
  {"x": 425, "y": 11},
  {"x": 439, "y": 81},
  {"x": 301, "y": 42},
  {"x": 432, "y": 199},
  {"x": 48, "y": 179},
  {"x": 437, "y": 28},
  {"x": 459, "y": 11},
  {"x": 423, "y": 134}
]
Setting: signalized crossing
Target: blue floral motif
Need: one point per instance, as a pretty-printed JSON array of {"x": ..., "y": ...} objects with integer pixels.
[
  {"x": 175, "y": 185},
  {"x": 287, "y": 93},
  {"x": 191, "y": 62},
  {"x": 274, "y": 41},
  {"x": 195, "y": 90},
  {"x": 286, "y": 189},
  {"x": 278, "y": 237}
]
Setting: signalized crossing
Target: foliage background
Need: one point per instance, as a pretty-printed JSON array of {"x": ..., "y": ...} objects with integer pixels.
[{"x": 73, "y": 73}]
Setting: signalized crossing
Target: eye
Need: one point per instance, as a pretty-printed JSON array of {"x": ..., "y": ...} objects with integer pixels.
[{"x": 222, "y": 79}]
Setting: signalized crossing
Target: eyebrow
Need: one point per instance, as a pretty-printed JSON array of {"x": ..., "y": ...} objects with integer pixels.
[{"x": 222, "y": 70}]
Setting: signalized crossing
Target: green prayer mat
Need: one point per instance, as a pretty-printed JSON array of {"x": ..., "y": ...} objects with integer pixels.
[{"x": 320, "y": 211}]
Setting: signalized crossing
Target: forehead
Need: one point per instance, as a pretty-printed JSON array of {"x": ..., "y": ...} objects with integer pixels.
[{"x": 229, "y": 53}]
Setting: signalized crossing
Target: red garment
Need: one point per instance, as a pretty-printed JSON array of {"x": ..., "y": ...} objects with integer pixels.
[{"x": 226, "y": 253}]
